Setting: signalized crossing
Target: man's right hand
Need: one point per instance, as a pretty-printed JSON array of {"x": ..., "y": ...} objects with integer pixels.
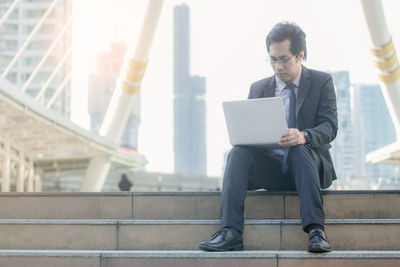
[{"x": 293, "y": 137}]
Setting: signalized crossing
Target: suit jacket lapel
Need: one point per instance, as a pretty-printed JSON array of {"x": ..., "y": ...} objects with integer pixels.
[
  {"x": 269, "y": 90},
  {"x": 305, "y": 82}
]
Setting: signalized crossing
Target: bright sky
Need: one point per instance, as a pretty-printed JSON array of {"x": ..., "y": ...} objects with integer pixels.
[{"x": 228, "y": 48}]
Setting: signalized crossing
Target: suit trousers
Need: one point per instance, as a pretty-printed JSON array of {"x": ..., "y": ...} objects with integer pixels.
[{"x": 250, "y": 168}]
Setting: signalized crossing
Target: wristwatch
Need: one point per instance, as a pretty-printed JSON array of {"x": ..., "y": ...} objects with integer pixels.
[{"x": 307, "y": 137}]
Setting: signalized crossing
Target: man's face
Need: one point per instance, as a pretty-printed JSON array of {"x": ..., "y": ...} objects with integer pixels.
[{"x": 285, "y": 65}]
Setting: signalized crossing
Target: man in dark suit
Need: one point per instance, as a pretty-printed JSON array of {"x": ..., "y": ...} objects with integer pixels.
[{"x": 303, "y": 163}]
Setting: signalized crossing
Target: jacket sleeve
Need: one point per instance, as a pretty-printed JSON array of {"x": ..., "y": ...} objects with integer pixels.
[{"x": 326, "y": 120}]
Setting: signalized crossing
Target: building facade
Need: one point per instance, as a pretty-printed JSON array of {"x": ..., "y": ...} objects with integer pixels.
[
  {"x": 364, "y": 126},
  {"x": 189, "y": 102},
  {"x": 346, "y": 148},
  {"x": 101, "y": 87},
  {"x": 16, "y": 29},
  {"x": 376, "y": 129}
]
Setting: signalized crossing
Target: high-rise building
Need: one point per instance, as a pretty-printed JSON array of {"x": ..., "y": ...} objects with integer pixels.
[
  {"x": 16, "y": 29},
  {"x": 376, "y": 129},
  {"x": 101, "y": 87},
  {"x": 364, "y": 125},
  {"x": 189, "y": 102},
  {"x": 346, "y": 147}
]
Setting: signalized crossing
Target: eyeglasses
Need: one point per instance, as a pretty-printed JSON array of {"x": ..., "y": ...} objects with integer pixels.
[{"x": 284, "y": 60}]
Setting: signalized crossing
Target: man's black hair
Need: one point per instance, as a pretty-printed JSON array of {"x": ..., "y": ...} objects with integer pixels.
[{"x": 288, "y": 31}]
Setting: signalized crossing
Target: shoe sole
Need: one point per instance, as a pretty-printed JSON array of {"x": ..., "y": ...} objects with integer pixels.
[
  {"x": 231, "y": 248},
  {"x": 319, "y": 250}
]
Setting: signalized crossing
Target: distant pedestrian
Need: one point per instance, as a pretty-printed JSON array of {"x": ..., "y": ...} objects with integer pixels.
[{"x": 124, "y": 184}]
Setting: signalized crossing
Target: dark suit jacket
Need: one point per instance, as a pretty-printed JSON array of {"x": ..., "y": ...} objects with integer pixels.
[{"x": 315, "y": 112}]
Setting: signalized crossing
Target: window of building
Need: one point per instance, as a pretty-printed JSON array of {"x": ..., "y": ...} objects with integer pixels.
[
  {"x": 32, "y": 91},
  {"x": 38, "y": 45},
  {"x": 10, "y": 45},
  {"x": 31, "y": 61},
  {"x": 4, "y": 61},
  {"x": 24, "y": 76},
  {"x": 28, "y": 28},
  {"x": 47, "y": 29},
  {"x": 9, "y": 29},
  {"x": 34, "y": 13},
  {"x": 12, "y": 77}
]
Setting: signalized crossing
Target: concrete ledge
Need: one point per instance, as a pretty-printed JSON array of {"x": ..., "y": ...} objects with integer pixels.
[
  {"x": 50, "y": 253},
  {"x": 191, "y": 205},
  {"x": 192, "y": 193},
  {"x": 66, "y": 206},
  {"x": 344, "y": 254},
  {"x": 58, "y": 221},
  {"x": 267, "y": 258},
  {"x": 187, "y": 222},
  {"x": 254, "y": 254},
  {"x": 344, "y": 234}
]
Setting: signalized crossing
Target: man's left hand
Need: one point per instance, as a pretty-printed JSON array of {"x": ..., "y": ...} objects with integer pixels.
[{"x": 293, "y": 137}]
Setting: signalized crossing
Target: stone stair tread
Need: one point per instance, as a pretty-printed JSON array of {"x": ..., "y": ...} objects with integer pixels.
[
  {"x": 188, "y": 222},
  {"x": 187, "y": 234},
  {"x": 191, "y": 205},
  {"x": 191, "y": 193},
  {"x": 118, "y": 227},
  {"x": 195, "y": 258},
  {"x": 353, "y": 254}
]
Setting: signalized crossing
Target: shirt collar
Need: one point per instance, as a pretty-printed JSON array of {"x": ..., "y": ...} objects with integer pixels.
[{"x": 281, "y": 84}]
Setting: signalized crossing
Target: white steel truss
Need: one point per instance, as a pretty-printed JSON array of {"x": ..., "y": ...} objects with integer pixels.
[{"x": 34, "y": 139}]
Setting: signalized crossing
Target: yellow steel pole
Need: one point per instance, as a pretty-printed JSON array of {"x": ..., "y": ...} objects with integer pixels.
[
  {"x": 385, "y": 58},
  {"x": 124, "y": 96}
]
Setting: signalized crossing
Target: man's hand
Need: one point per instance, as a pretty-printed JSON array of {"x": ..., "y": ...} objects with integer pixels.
[{"x": 293, "y": 137}]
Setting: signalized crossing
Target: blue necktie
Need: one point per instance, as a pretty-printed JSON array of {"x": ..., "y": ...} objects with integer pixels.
[
  {"x": 292, "y": 106},
  {"x": 291, "y": 121}
]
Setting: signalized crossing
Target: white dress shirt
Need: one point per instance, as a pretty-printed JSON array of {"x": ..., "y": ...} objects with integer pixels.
[{"x": 285, "y": 93}]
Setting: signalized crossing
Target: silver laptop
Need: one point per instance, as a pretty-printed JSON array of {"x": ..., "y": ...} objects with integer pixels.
[{"x": 255, "y": 122}]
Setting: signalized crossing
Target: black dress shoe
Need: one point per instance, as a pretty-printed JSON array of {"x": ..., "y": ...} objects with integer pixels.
[
  {"x": 318, "y": 242},
  {"x": 224, "y": 240}
]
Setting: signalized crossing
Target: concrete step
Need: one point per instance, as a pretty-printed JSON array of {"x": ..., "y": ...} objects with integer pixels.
[
  {"x": 344, "y": 234},
  {"x": 191, "y": 205},
  {"x": 268, "y": 258}
]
